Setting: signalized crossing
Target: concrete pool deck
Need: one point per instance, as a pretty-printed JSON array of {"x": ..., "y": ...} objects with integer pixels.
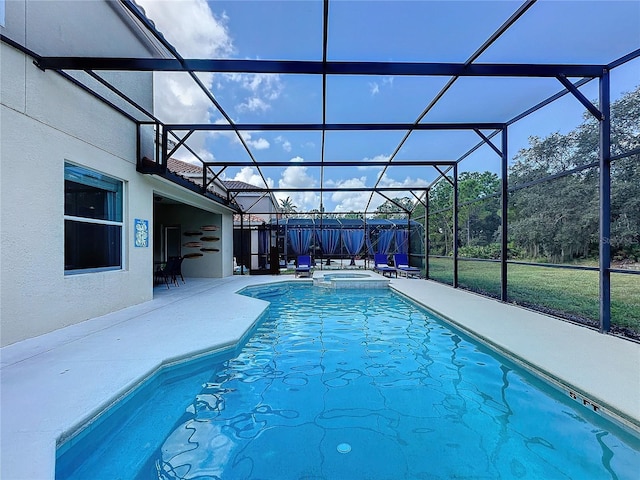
[{"x": 52, "y": 384}]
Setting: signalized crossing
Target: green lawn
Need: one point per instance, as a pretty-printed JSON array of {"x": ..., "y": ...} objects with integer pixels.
[{"x": 567, "y": 293}]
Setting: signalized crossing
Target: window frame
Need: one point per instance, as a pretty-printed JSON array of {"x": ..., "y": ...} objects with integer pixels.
[{"x": 96, "y": 221}]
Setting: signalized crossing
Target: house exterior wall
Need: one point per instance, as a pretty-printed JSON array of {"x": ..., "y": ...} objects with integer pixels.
[
  {"x": 99, "y": 28},
  {"x": 226, "y": 245},
  {"x": 46, "y": 121},
  {"x": 263, "y": 208}
]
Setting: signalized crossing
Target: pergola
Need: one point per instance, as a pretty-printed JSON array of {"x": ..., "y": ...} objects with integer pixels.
[{"x": 493, "y": 133}]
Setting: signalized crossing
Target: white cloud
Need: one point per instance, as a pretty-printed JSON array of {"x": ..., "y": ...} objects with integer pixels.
[
  {"x": 206, "y": 156},
  {"x": 196, "y": 144},
  {"x": 298, "y": 177},
  {"x": 191, "y": 27},
  {"x": 260, "y": 89},
  {"x": 269, "y": 83},
  {"x": 374, "y": 87},
  {"x": 253, "y": 104},
  {"x": 259, "y": 144},
  {"x": 350, "y": 201},
  {"x": 378, "y": 158},
  {"x": 286, "y": 144},
  {"x": 196, "y": 32},
  {"x": 177, "y": 99},
  {"x": 251, "y": 176},
  {"x": 387, "y": 181}
]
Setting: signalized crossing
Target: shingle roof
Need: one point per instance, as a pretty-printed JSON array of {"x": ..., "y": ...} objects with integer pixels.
[
  {"x": 193, "y": 174},
  {"x": 178, "y": 166},
  {"x": 182, "y": 168},
  {"x": 238, "y": 185}
]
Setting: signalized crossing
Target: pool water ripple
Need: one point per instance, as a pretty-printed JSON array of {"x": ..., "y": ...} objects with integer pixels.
[{"x": 411, "y": 398}]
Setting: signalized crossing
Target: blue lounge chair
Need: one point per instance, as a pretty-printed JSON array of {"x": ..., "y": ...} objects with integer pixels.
[
  {"x": 401, "y": 261},
  {"x": 304, "y": 266},
  {"x": 380, "y": 265}
]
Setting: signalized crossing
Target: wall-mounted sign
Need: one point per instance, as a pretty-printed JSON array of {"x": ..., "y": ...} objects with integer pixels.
[{"x": 141, "y": 232}]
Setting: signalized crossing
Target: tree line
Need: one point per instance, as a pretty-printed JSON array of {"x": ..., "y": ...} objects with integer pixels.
[{"x": 553, "y": 208}]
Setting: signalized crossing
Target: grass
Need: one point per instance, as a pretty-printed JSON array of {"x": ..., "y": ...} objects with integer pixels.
[{"x": 572, "y": 294}]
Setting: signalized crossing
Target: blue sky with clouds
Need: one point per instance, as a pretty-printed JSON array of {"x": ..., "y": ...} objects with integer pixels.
[{"x": 552, "y": 31}]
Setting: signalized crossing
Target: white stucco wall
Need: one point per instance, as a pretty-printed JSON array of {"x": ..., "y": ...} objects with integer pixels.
[
  {"x": 257, "y": 206},
  {"x": 46, "y": 121},
  {"x": 99, "y": 28},
  {"x": 226, "y": 246}
]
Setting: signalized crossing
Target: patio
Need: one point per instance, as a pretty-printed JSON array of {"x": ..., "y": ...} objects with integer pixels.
[{"x": 53, "y": 383}]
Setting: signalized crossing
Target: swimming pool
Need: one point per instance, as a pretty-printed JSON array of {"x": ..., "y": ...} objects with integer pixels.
[{"x": 351, "y": 384}]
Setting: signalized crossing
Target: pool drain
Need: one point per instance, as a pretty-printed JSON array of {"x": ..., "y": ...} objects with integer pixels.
[{"x": 344, "y": 448}]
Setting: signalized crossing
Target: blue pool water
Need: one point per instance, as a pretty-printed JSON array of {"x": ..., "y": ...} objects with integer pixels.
[{"x": 350, "y": 384}]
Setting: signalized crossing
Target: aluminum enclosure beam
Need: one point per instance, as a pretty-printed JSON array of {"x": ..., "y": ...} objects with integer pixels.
[
  {"x": 456, "y": 232},
  {"x": 581, "y": 98},
  {"x": 311, "y": 67},
  {"x": 488, "y": 141},
  {"x": 504, "y": 217},
  {"x": 337, "y": 163},
  {"x": 330, "y": 189},
  {"x": 605, "y": 205},
  {"x": 255, "y": 127}
]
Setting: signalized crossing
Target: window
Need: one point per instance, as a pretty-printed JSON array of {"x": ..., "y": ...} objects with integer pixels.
[{"x": 92, "y": 221}]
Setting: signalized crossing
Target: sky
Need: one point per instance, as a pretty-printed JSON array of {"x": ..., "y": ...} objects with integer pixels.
[{"x": 552, "y": 31}]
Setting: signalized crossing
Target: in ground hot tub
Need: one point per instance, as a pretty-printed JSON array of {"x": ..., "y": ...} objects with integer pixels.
[{"x": 349, "y": 280}]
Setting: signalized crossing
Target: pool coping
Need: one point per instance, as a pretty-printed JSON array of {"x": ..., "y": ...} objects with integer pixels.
[
  {"x": 49, "y": 384},
  {"x": 584, "y": 394},
  {"x": 541, "y": 348}
]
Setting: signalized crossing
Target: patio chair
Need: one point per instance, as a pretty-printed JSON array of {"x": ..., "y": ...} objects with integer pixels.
[
  {"x": 304, "y": 266},
  {"x": 176, "y": 270},
  {"x": 168, "y": 272},
  {"x": 401, "y": 261},
  {"x": 380, "y": 265}
]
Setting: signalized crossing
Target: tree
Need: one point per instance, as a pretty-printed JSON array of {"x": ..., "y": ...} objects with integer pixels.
[
  {"x": 625, "y": 177},
  {"x": 287, "y": 206},
  {"x": 558, "y": 219},
  {"x": 478, "y": 211},
  {"x": 394, "y": 209},
  {"x": 478, "y": 207}
]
